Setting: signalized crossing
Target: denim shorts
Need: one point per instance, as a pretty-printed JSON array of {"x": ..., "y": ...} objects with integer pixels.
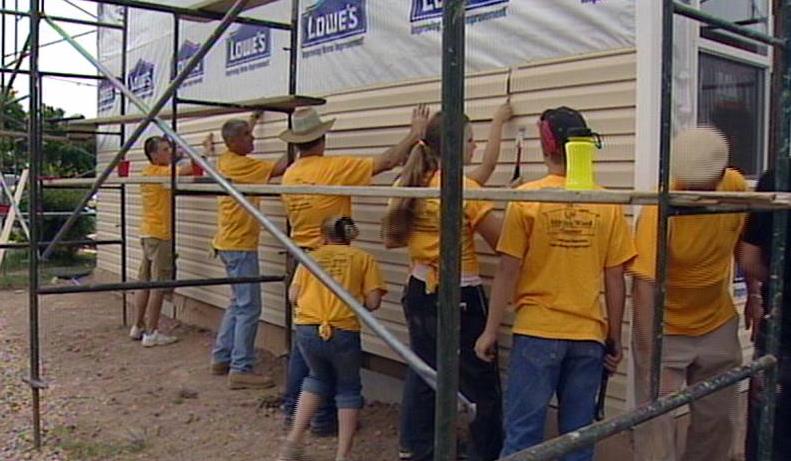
[{"x": 337, "y": 359}]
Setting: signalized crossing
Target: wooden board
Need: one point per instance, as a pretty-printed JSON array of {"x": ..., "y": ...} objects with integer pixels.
[
  {"x": 276, "y": 103},
  {"x": 8, "y": 224},
  {"x": 23, "y": 134}
]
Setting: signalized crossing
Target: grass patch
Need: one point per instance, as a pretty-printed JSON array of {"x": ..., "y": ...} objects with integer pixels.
[{"x": 83, "y": 449}]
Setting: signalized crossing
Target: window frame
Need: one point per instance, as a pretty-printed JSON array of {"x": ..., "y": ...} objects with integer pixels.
[
  {"x": 761, "y": 61},
  {"x": 648, "y": 41}
]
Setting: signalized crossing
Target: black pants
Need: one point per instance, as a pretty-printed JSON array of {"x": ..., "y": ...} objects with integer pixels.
[{"x": 479, "y": 380}]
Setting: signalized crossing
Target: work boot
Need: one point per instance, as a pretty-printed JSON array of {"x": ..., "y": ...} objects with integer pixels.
[
  {"x": 249, "y": 380},
  {"x": 220, "y": 368}
]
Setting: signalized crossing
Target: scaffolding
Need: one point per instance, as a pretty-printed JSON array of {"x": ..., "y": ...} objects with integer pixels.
[{"x": 445, "y": 379}]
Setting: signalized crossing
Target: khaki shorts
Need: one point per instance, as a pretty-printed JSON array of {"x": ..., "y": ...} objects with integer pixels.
[{"x": 157, "y": 263}]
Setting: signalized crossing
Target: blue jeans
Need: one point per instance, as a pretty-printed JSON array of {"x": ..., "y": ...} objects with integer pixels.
[
  {"x": 334, "y": 365},
  {"x": 235, "y": 342},
  {"x": 540, "y": 368},
  {"x": 326, "y": 418}
]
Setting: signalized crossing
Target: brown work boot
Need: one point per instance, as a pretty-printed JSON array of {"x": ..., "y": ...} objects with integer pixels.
[
  {"x": 249, "y": 380},
  {"x": 220, "y": 368}
]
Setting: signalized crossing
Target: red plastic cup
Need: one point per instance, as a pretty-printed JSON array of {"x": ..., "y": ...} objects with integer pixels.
[
  {"x": 123, "y": 168},
  {"x": 196, "y": 169}
]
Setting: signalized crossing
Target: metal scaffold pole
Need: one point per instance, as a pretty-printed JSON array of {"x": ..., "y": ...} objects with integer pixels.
[
  {"x": 777, "y": 269},
  {"x": 34, "y": 148},
  {"x": 293, "y": 54},
  {"x": 122, "y": 189},
  {"x": 449, "y": 295},
  {"x": 665, "y": 132}
]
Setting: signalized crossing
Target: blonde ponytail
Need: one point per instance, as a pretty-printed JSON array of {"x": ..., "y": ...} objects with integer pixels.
[
  {"x": 423, "y": 162},
  {"x": 401, "y": 212}
]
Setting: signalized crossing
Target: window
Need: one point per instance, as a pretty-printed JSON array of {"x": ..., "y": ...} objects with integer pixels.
[
  {"x": 750, "y": 13},
  {"x": 731, "y": 97}
]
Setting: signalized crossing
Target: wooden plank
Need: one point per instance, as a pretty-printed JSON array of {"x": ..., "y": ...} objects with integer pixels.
[
  {"x": 276, "y": 103},
  {"x": 8, "y": 224},
  {"x": 23, "y": 135}
]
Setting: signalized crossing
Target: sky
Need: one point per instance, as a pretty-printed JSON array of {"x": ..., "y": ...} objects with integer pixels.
[{"x": 72, "y": 95}]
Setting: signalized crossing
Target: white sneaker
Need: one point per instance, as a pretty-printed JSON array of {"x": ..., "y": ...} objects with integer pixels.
[
  {"x": 136, "y": 333},
  {"x": 157, "y": 339}
]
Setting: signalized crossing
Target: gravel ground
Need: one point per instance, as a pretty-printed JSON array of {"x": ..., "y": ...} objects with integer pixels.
[
  {"x": 16, "y": 438},
  {"x": 111, "y": 399}
]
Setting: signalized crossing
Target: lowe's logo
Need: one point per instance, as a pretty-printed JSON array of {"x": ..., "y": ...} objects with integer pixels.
[
  {"x": 141, "y": 79},
  {"x": 186, "y": 52},
  {"x": 248, "y": 44},
  {"x": 330, "y": 20},
  {"x": 429, "y": 9},
  {"x": 107, "y": 95}
]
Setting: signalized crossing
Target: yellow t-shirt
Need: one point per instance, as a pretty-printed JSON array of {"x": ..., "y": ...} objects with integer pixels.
[
  {"x": 564, "y": 250},
  {"x": 307, "y": 212},
  {"x": 155, "y": 221},
  {"x": 354, "y": 269},
  {"x": 423, "y": 240},
  {"x": 237, "y": 230},
  {"x": 700, "y": 257}
]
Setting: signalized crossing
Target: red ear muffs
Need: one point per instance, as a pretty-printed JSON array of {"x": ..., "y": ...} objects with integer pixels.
[{"x": 548, "y": 141}]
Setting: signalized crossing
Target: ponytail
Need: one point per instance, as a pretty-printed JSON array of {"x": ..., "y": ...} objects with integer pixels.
[
  {"x": 418, "y": 170},
  {"x": 423, "y": 161}
]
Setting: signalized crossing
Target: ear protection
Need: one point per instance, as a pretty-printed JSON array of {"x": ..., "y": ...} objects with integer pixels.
[
  {"x": 346, "y": 229},
  {"x": 548, "y": 140}
]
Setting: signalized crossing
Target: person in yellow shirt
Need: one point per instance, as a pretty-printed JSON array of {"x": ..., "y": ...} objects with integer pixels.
[
  {"x": 307, "y": 212},
  {"x": 236, "y": 243},
  {"x": 700, "y": 320},
  {"x": 156, "y": 240},
  {"x": 554, "y": 260},
  {"x": 328, "y": 334},
  {"x": 416, "y": 224}
]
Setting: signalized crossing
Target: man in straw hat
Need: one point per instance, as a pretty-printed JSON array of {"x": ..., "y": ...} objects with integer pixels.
[
  {"x": 700, "y": 320},
  {"x": 306, "y": 213},
  {"x": 236, "y": 242}
]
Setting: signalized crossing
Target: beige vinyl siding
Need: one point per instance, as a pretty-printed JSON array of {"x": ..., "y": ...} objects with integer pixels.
[{"x": 372, "y": 119}]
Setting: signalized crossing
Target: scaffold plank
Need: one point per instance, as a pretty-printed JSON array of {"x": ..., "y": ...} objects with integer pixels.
[{"x": 276, "y": 103}]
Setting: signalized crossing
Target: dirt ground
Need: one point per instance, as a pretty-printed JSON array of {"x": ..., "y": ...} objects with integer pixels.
[{"x": 111, "y": 399}]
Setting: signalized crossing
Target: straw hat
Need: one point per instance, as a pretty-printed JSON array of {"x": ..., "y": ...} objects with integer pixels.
[
  {"x": 699, "y": 156},
  {"x": 307, "y": 126}
]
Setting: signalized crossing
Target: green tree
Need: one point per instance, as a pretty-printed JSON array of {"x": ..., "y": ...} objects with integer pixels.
[{"x": 60, "y": 159}]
